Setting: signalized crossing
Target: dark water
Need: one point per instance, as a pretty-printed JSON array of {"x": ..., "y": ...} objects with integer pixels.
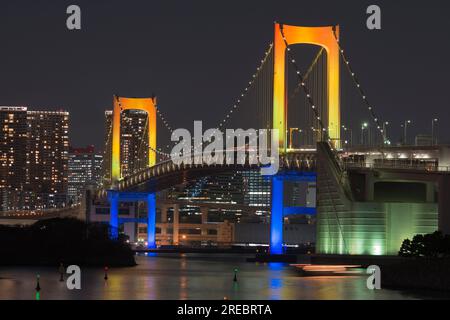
[{"x": 191, "y": 276}]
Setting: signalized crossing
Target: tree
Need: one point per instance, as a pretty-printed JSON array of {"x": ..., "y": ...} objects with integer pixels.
[{"x": 434, "y": 245}]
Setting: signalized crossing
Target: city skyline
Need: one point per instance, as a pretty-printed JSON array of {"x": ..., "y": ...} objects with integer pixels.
[{"x": 163, "y": 66}]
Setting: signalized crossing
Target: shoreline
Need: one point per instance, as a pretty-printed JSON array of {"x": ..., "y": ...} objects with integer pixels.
[{"x": 400, "y": 273}]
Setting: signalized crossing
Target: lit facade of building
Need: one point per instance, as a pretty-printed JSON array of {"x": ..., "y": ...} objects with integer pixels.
[
  {"x": 256, "y": 189},
  {"x": 34, "y": 158},
  {"x": 247, "y": 189},
  {"x": 84, "y": 169},
  {"x": 133, "y": 142},
  {"x": 48, "y": 157},
  {"x": 225, "y": 188},
  {"x": 13, "y": 157}
]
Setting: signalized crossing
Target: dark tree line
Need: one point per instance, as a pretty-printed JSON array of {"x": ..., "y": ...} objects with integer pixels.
[
  {"x": 434, "y": 245},
  {"x": 67, "y": 241}
]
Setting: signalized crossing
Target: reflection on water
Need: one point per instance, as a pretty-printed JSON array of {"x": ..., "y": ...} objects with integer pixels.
[{"x": 190, "y": 276}]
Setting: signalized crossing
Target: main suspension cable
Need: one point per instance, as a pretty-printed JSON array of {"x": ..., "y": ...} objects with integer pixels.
[
  {"x": 244, "y": 93},
  {"x": 375, "y": 118}
]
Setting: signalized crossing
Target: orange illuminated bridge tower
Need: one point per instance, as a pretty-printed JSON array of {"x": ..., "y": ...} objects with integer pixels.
[
  {"x": 286, "y": 35},
  {"x": 324, "y": 37},
  {"x": 121, "y": 104},
  {"x": 115, "y": 197}
]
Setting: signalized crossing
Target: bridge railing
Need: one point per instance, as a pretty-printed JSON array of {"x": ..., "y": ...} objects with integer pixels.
[
  {"x": 56, "y": 212},
  {"x": 295, "y": 160},
  {"x": 399, "y": 166}
]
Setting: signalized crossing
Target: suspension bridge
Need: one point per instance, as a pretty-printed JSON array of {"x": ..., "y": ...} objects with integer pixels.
[{"x": 317, "y": 111}]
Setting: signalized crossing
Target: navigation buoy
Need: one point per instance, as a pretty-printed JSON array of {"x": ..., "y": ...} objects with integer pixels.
[
  {"x": 235, "y": 275},
  {"x": 106, "y": 273},
  {"x": 61, "y": 272},
  {"x": 38, "y": 288}
]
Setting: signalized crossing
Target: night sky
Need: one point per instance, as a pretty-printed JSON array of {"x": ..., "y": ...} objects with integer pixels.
[{"x": 197, "y": 56}]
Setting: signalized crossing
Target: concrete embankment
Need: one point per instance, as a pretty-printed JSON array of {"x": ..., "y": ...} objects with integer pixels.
[{"x": 399, "y": 272}]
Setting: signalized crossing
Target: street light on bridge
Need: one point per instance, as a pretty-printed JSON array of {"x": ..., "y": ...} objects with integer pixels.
[
  {"x": 433, "y": 124},
  {"x": 315, "y": 134},
  {"x": 364, "y": 126},
  {"x": 405, "y": 131},
  {"x": 351, "y": 135},
  {"x": 291, "y": 131},
  {"x": 385, "y": 135}
]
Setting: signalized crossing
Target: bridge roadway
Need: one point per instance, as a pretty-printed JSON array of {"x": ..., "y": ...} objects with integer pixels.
[
  {"x": 167, "y": 174},
  {"x": 30, "y": 217}
]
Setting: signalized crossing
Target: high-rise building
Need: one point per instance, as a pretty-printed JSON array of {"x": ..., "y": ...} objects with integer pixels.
[
  {"x": 133, "y": 142},
  {"x": 48, "y": 157},
  {"x": 84, "y": 169},
  {"x": 34, "y": 158},
  {"x": 256, "y": 189},
  {"x": 107, "y": 152},
  {"x": 13, "y": 157},
  {"x": 224, "y": 188},
  {"x": 246, "y": 188}
]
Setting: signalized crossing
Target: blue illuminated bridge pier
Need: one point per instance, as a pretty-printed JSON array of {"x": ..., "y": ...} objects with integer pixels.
[{"x": 143, "y": 185}]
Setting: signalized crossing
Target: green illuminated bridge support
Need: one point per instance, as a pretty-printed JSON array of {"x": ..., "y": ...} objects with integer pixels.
[{"x": 367, "y": 211}]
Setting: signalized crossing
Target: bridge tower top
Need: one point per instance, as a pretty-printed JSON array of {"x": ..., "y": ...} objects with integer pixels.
[{"x": 325, "y": 37}]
